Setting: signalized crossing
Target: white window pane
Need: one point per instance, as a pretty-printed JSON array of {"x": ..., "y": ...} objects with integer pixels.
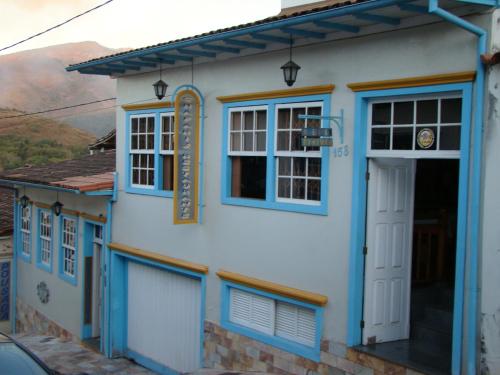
[
  {"x": 235, "y": 120},
  {"x": 261, "y": 120},
  {"x": 283, "y": 118},
  {"x": 261, "y": 141},
  {"x": 248, "y": 120},
  {"x": 283, "y": 140},
  {"x": 235, "y": 141},
  {"x": 248, "y": 141}
]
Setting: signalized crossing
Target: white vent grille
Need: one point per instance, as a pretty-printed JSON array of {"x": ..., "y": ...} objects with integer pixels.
[
  {"x": 295, "y": 323},
  {"x": 253, "y": 311},
  {"x": 291, "y": 322}
]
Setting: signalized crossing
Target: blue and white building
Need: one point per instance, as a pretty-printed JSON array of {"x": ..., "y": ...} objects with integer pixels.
[{"x": 234, "y": 245}]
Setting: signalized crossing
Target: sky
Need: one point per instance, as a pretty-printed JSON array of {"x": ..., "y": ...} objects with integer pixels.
[{"x": 122, "y": 23}]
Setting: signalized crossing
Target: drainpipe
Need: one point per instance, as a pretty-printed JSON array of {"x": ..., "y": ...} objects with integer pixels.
[
  {"x": 476, "y": 179},
  {"x": 109, "y": 238},
  {"x": 14, "y": 265}
]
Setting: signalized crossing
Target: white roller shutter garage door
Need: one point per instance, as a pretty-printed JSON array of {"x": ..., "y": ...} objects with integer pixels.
[{"x": 164, "y": 317}]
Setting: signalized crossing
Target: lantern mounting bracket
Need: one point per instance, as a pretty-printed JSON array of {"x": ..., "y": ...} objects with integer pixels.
[{"x": 338, "y": 120}]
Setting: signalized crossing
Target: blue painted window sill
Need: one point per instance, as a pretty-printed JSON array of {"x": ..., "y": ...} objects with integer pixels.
[
  {"x": 26, "y": 258},
  {"x": 279, "y": 206},
  {"x": 45, "y": 267},
  {"x": 152, "y": 192},
  {"x": 68, "y": 279}
]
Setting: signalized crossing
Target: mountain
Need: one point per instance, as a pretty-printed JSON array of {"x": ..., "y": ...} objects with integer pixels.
[
  {"x": 36, "y": 80},
  {"x": 38, "y": 140}
]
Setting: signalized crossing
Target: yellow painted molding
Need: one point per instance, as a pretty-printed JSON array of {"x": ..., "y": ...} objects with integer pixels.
[
  {"x": 301, "y": 295},
  {"x": 155, "y": 105},
  {"x": 299, "y": 91},
  {"x": 155, "y": 257},
  {"x": 437, "y": 79},
  {"x": 67, "y": 211},
  {"x": 99, "y": 219},
  {"x": 43, "y": 205}
]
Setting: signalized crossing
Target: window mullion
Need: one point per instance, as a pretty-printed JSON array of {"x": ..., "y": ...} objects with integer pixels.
[
  {"x": 157, "y": 167},
  {"x": 271, "y": 178}
]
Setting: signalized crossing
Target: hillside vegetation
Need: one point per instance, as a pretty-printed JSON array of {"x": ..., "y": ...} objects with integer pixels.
[
  {"x": 36, "y": 140},
  {"x": 36, "y": 80}
]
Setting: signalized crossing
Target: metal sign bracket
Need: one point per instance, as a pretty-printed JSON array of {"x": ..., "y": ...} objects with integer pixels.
[{"x": 338, "y": 120}]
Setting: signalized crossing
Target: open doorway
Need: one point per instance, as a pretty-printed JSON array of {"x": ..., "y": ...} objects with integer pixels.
[
  {"x": 433, "y": 260},
  {"x": 410, "y": 261},
  {"x": 93, "y": 286}
]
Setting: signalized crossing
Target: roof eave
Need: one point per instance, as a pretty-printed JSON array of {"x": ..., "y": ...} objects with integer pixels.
[{"x": 289, "y": 21}]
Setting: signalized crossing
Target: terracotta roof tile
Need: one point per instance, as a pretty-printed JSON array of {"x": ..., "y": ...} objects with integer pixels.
[
  {"x": 89, "y": 173},
  {"x": 6, "y": 211}
]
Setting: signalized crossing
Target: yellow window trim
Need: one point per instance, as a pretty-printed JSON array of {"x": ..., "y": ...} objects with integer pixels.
[
  {"x": 155, "y": 257},
  {"x": 300, "y": 91},
  {"x": 66, "y": 211},
  {"x": 99, "y": 219},
  {"x": 43, "y": 205},
  {"x": 155, "y": 105},
  {"x": 437, "y": 79},
  {"x": 266, "y": 286}
]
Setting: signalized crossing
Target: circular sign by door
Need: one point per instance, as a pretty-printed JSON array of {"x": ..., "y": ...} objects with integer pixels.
[{"x": 425, "y": 138}]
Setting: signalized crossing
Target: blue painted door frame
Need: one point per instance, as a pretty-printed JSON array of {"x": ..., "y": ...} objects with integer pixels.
[
  {"x": 359, "y": 205},
  {"x": 88, "y": 251}
]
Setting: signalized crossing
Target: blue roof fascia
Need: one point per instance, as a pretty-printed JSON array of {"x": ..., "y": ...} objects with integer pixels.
[
  {"x": 13, "y": 183},
  {"x": 99, "y": 193},
  {"x": 489, "y": 3},
  {"x": 268, "y": 26}
]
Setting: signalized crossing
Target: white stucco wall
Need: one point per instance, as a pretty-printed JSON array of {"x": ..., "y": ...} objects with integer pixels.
[
  {"x": 65, "y": 300},
  {"x": 490, "y": 281},
  {"x": 299, "y": 250}
]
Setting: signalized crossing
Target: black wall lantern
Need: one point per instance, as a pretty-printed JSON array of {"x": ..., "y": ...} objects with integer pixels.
[
  {"x": 57, "y": 208},
  {"x": 290, "y": 69},
  {"x": 160, "y": 87},
  {"x": 24, "y": 200}
]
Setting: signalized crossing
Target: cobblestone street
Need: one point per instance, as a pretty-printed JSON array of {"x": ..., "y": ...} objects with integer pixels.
[{"x": 68, "y": 357}]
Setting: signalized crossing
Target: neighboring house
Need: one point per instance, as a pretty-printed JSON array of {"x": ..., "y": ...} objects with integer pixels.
[
  {"x": 107, "y": 142},
  {"x": 6, "y": 231},
  {"x": 376, "y": 255},
  {"x": 61, "y": 215}
]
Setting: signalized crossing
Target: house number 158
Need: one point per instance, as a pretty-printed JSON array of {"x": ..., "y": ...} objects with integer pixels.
[{"x": 341, "y": 151}]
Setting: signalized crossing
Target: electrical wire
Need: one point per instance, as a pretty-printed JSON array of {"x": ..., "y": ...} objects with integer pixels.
[
  {"x": 58, "y": 109},
  {"x": 56, "y": 26}
]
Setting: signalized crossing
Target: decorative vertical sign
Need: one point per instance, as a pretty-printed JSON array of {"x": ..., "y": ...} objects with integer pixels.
[
  {"x": 4, "y": 290},
  {"x": 187, "y": 126}
]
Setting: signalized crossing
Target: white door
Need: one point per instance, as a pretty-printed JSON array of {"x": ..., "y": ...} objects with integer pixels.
[
  {"x": 389, "y": 231},
  {"x": 164, "y": 318}
]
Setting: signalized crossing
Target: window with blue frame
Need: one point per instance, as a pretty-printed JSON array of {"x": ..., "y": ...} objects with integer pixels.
[
  {"x": 44, "y": 243},
  {"x": 25, "y": 232},
  {"x": 150, "y": 152},
  {"x": 290, "y": 325},
  {"x": 265, "y": 164},
  {"x": 68, "y": 252}
]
